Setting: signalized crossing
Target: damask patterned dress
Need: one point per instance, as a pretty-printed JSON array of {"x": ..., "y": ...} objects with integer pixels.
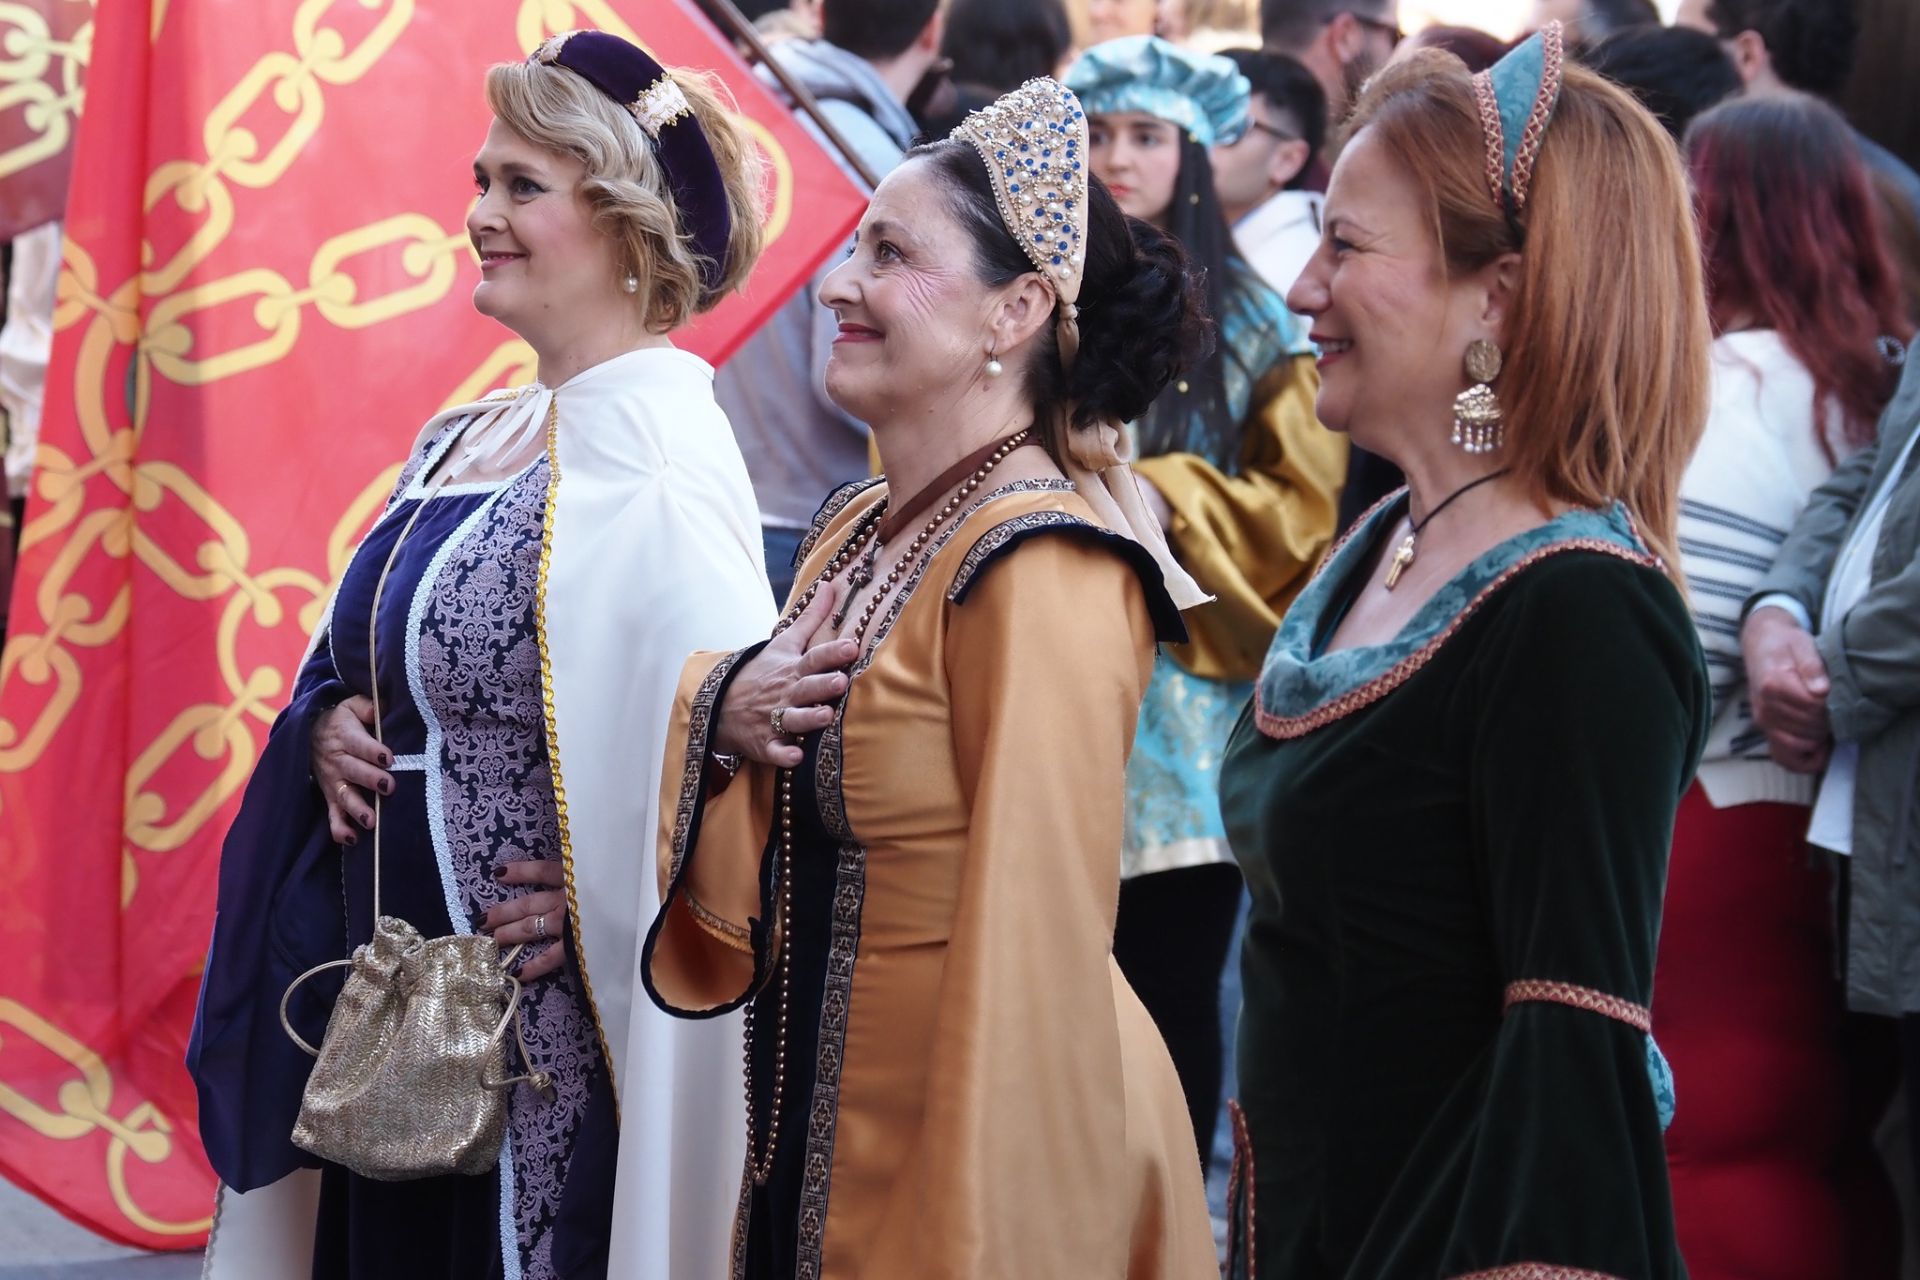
[{"x": 460, "y": 695}]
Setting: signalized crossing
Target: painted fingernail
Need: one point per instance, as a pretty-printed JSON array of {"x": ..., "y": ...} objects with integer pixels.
[
  {"x": 386, "y": 786},
  {"x": 352, "y": 840},
  {"x": 386, "y": 758},
  {"x": 480, "y": 920},
  {"x": 499, "y": 873},
  {"x": 366, "y": 820}
]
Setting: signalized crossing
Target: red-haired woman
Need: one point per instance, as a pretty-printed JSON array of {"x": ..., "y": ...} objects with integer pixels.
[
  {"x": 1453, "y": 798},
  {"x": 1805, "y": 302}
]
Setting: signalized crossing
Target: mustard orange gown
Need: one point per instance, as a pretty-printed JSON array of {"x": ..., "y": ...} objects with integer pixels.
[{"x": 971, "y": 1089}]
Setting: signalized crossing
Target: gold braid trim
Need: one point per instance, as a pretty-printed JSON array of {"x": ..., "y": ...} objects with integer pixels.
[
  {"x": 1535, "y": 130},
  {"x": 1489, "y": 105},
  {"x": 719, "y": 928},
  {"x": 1536, "y": 1271},
  {"x": 1534, "y": 990},
  {"x": 553, "y": 737}
]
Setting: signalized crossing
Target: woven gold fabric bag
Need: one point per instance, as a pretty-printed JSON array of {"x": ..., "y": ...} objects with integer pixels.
[{"x": 411, "y": 1077}]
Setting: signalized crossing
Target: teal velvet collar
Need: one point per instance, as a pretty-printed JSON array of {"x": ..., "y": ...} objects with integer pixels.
[{"x": 1301, "y": 690}]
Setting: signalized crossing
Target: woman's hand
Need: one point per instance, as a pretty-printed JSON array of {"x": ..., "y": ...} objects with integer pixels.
[
  {"x": 348, "y": 763},
  {"x": 800, "y": 674},
  {"x": 532, "y": 917}
]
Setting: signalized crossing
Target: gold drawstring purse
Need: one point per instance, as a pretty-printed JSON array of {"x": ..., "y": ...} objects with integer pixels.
[{"x": 410, "y": 1078}]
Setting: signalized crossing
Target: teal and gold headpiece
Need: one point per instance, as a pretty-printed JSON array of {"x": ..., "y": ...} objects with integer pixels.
[
  {"x": 1516, "y": 96},
  {"x": 1202, "y": 93}
]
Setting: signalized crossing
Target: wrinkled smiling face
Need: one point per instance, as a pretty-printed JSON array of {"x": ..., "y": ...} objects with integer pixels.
[
  {"x": 913, "y": 313},
  {"x": 545, "y": 272}
]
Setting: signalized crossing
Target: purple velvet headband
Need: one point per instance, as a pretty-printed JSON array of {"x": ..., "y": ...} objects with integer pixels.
[{"x": 634, "y": 80}]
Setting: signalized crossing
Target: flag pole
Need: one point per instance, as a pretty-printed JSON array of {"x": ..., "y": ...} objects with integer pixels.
[{"x": 744, "y": 32}]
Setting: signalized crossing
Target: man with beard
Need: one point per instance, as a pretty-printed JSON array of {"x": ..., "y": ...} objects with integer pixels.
[{"x": 1341, "y": 41}]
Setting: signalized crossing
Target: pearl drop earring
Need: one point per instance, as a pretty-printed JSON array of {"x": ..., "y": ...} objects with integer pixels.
[
  {"x": 632, "y": 283},
  {"x": 994, "y": 367}
]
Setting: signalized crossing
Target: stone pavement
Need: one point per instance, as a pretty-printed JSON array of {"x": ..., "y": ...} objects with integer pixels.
[{"x": 38, "y": 1244}]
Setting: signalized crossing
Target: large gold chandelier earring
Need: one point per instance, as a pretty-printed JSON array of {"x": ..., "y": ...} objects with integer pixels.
[{"x": 1478, "y": 424}]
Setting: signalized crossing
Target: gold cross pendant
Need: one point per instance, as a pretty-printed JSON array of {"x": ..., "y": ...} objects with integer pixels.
[{"x": 1401, "y": 559}]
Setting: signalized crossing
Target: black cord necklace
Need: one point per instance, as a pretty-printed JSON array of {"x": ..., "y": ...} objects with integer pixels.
[{"x": 1403, "y": 558}]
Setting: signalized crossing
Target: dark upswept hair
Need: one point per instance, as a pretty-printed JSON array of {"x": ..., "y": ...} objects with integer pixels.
[
  {"x": 875, "y": 29},
  {"x": 1142, "y": 320},
  {"x": 1790, "y": 230},
  {"x": 1002, "y": 44},
  {"x": 1675, "y": 72},
  {"x": 1810, "y": 42}
]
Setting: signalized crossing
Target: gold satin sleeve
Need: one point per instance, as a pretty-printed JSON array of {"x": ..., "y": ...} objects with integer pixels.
[
  {"x": 709, "y": 858},
  {"x": 1042, "y": 1151},
  {"x": 1253, "y": 538}
]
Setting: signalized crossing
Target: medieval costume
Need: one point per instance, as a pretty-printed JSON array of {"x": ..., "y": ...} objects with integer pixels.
[
  {"x": 1456, "y": 845},
  {"x": 1456, "y": 841},
  {"x": 529, "y": 633},
  {"x": 948, "y": 1077}
]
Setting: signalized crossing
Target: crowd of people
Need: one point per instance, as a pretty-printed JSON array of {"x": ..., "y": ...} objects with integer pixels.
[{"x": 1304, "y": 660}]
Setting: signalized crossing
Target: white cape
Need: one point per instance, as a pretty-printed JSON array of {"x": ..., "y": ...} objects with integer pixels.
[{"x": 653, "y": 552}]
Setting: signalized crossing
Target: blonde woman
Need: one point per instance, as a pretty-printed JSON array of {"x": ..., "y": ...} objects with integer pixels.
[{"x": 559, "y": 551}]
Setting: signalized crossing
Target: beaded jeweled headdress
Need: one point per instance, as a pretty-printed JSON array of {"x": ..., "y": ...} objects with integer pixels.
[
  {"x": 1034, "y": 144},
  {"x": 1516, "y": 97}
]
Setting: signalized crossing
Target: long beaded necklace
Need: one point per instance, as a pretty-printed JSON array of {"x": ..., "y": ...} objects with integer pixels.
[{"x": 760, "y": 1166}]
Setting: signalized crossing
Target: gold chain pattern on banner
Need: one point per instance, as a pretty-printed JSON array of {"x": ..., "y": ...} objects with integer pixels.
[
  {"x": 50, "y": 97},
  {"x": 83, "y": 1105},
  {"x": 207, "y": 750}
]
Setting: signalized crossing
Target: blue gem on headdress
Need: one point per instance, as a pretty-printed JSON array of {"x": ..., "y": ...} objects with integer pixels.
[
  {"x": 1056, "y": 258},
  {"x": 1013, "y": 186}
]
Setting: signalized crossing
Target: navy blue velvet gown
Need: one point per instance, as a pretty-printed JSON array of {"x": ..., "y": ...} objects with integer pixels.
[{"x": 462, "y": 713}]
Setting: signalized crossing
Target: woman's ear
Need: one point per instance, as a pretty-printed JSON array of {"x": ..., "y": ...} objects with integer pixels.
[
  {"x": 1025, "y": 307},
  {"x": 1501, "y": 279}
]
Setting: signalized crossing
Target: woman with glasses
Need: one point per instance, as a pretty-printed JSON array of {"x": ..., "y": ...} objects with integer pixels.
[{"x": 1243, "y": 478}]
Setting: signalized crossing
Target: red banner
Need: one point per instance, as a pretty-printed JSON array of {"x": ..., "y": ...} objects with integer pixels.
[
  {"x": 265, "y": 293},
  {"x": 43, "y": 63}
]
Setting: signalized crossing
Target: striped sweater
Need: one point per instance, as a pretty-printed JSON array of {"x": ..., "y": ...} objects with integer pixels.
[{"x": 1744, "y": 488}]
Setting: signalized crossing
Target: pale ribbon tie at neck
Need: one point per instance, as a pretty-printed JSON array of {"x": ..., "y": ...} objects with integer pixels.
[
  {"x": 505, "y": 431},
  {"x": 1100, "y": 473}
]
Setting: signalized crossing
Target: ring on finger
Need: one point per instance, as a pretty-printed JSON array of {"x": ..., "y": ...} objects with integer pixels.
[
  {"x": 540, "y": 926},
  {"x": 779, "y": 722},
  {"x": 340, "y": 789}
]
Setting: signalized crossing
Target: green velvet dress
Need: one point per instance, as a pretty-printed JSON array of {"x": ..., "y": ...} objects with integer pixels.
[{"x": 1457, "y": 847}]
